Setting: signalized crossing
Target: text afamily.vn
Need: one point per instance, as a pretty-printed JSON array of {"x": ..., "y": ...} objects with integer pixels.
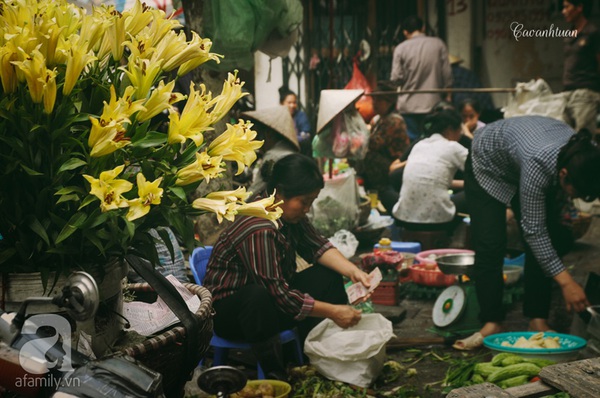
[
  {"x": 519, "y": 31},
  {"x": 47, "y": 381}
]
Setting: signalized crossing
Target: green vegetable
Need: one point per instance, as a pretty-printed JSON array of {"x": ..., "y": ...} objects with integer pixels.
[
  {"x": 540, "y": 362},
  {"x": 519, "y": 369},
  {"x": 513, "y": 381},
  {"x": 477, "y": 378},
  {"x": 498, "y": 358},
  {"x": 485, "y": 369},
  {"x": 512, "y": 360}
]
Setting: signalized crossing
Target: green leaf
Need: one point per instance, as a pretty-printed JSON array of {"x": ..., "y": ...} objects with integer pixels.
[
  {"x": 30, "y": 171},
  {"x": 7, "y": 254},
  {"x": 166, "y": 239},
  {"x": 69, "y": 189},
  {"x": 130, "y": 228},
  {"x": 71, "y": 164},
  {"x": 89, "y": 199},
  {"x": 76, "y": 221},
  {"x": 95, "y": 241},
  {"x": 179, "y": 192},
  {"x": 67, "y": 198},
  {"x": 37, "y": 227},
  {"x": 150, "y": 140}
]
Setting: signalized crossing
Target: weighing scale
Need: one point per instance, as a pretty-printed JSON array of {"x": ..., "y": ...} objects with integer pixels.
[{"x": 455, "y": 312}]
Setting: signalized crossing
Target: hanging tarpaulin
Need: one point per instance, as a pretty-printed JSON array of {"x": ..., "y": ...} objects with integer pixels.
[
  {"x": 238, "y": 28},
  {"x": 168, "y": 6}
]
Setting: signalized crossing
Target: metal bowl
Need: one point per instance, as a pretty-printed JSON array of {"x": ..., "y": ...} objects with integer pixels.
[{"x": 455, "y": 264}]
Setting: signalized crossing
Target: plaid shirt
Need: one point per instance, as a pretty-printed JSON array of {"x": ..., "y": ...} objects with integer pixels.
[
  {"x": 519, "y": 155},
  {"x": 254, "y": 250}
]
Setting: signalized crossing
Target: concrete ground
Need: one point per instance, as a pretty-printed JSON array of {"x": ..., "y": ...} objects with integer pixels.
[{"x": 412, "y": 319}]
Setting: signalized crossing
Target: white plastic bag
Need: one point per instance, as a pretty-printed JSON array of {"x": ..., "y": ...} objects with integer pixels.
[
  {"x": 355, "y": 355},
  {"x": 336, "y": 207},
  {"x": 345, "y": 242},
  {"x": 535, "y": 98}
]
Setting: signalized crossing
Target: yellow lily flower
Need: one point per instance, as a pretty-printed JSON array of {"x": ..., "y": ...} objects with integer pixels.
[
  {"x": 219, "y": 207},
  {"x": 92, "y": 29},
  {"x": 236, "y": 144},
  {"x": 77, "y": 58},
  {"x": 204, "y": 56},
  {"x": 67, "y": 16},
  {"x": 137, "y": 18},
  {"x": 108, "y": 138},
  {"x": 49, "y": 90},
  {"x": 175, "y": 50},
  {"x": 193, "y": 120},
  {"x": 263, "y": 208},
  {"x": 149, "y": 194},
  {"x": 204, "y": 167},
  {"x": 109, "y": 189},
  {"x": 116, "y": 36},
  {"x": 34, "y": 70},
  {"x": 161, "y": 26},
  {"x": 142, "y": 73},
  {"x": 140, "y": 46},
  {"x": 50, "y": 42},
  {"x": 231, "y": 93},
  {"x": 161, "y": 98},
  {"x": 8, "y": 75},
  {"x": 238, "y": 195}
]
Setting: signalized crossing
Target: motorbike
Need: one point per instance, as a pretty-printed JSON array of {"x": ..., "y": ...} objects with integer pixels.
[{"x": 37, "y": 360}]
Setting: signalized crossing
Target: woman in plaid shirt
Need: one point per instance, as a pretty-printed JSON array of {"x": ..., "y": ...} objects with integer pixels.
[
  {"x": 535, "y": 165},
  {"x": 252, "y": 271}
]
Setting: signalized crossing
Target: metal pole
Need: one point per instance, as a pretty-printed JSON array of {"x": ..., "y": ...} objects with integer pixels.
[{"x": 444, "y": 91}]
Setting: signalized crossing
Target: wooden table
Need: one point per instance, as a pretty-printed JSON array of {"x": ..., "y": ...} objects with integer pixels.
[{"x": 580, "y": 379}]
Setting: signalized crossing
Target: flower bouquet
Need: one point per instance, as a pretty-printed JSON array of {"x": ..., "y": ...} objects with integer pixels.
[{"x": 94, "y": 152}]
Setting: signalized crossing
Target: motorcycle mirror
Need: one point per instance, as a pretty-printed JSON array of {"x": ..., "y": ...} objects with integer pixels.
[{"x": 81, "y": 296}]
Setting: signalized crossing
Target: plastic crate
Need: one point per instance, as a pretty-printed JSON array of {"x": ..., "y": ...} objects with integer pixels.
[{"x": 386, "y": 294}]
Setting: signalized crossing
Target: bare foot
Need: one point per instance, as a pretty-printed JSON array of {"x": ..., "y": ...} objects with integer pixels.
[
  {"x": 476, "y": 339},
  {"x": 490, "y": 328},
  {"x": 539, "y": 325}
]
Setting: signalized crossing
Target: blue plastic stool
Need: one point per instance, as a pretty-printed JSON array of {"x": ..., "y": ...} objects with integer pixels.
[
  {"x": 198, "y": 262},
  {"x": 222, "y": 346}
]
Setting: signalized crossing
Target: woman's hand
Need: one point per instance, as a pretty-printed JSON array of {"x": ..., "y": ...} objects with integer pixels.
[
  {"x": 358, "y": 275},
  {"x": 346, "y": 316},
  {"x": 575, "y": 297},
  {"x": 573, "y": 293}
]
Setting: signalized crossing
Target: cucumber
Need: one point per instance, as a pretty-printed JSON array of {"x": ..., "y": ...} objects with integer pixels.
[
  {"x": 498, "y": 358},
  {"x": 513, "y": 381},
  {"x": 541, "y": 362},
  {"x": 512, "y": 360},
  {"x": 519, "y": 369},
  {"x": 485, "y": 369},
  {"x": 477, "y": 378}
]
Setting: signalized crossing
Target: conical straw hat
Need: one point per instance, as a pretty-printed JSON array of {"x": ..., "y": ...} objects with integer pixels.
[
  {"x": 279, "y": 119},
  {"x": 333, "y": 102},
  {"x": 454, "y": 59}
]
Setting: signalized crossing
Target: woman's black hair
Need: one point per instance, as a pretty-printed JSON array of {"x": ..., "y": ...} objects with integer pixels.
[
  {"x": 293, "y": 175},
  {"x": 581, "y": 158},
  {"x": 284, "y": 92},
  {"x": 472, "y": 102},
  {"x": 441, "y": 121}
]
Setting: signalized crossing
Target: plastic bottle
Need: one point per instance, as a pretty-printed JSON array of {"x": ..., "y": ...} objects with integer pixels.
[{"x": 385, "y": 244}]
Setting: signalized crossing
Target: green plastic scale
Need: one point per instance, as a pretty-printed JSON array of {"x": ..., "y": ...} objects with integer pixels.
[{"x": 455, "y": 312}]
